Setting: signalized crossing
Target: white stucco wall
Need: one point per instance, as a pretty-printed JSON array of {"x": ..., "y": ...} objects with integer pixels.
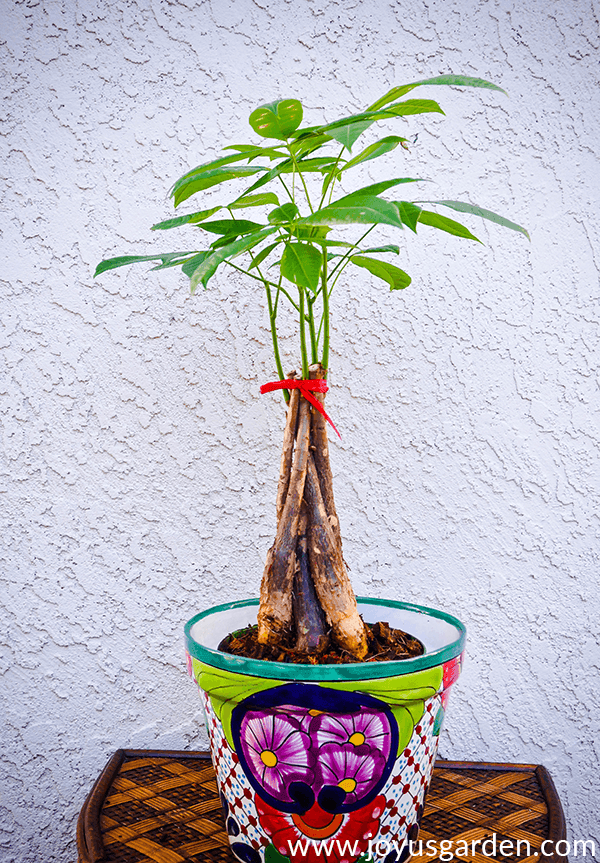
[{"x": 139, "y": 465}]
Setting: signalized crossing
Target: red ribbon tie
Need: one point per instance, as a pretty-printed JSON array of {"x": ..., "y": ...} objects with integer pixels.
[{"x": 307, "y": 388}]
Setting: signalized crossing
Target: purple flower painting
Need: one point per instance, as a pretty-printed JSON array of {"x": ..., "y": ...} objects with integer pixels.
[
  {"x": 303, "y": 715},
  {"x": 368, "y": 728},
  {"x": 323, "y": 745},
  {"x": 278, "y": 751},
  {"x": 354, "y": 769}
]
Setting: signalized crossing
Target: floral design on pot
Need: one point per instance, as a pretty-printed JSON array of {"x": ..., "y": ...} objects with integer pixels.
[
  {"x": 276, "y": 752},
  {"x": 299, "y": 743},
  {"x": 340, "y": 833}
]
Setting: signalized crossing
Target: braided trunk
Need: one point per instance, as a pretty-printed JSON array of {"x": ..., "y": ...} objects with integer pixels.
[{"x": 306, "y": 597}]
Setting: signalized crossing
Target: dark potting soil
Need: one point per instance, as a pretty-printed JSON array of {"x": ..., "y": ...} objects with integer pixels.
[{"x": 384, "y": 643}]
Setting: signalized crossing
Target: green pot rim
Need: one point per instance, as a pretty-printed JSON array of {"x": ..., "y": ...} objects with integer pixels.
[{"x": 352, "y": 671}]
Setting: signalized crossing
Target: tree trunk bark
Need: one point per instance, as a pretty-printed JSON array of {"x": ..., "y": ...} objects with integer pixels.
[
  {"x": 329, "y": 574},
  {"x": 289, "y": 437},
  {"x": 320, "y": 451},
  {"x": 306, "y": 596},
  {"x": 275, "y": 611},
  {"x": 312, "y": 632}
]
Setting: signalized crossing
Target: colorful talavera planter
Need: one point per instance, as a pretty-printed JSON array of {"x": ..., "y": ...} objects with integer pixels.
[{"x": 324, "y": 762}]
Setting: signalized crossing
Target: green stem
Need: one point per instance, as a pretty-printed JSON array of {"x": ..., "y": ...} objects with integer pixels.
[
  {"x": 303, "y": 350},
  {"x": 264, "y": 281},
  {"x": 290, "y": 195},
  {"x": 353, "y": 251},
  {"x": 301, "y": 175},
  {"x": 343, "y": 267},
  {"x": 325, "y": 317},
  {"x": 278, "y": 294},
  {"x": 275, "y": 340},
  {"x": 336, "y": 272},
  {"x": 273, "y": 324},
  {"x": 314, "y": 350},
  {"x": 331, "y": 181}
]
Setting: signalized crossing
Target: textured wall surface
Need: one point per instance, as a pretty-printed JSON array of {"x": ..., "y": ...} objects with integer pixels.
[{"x": 139, "y": 460}]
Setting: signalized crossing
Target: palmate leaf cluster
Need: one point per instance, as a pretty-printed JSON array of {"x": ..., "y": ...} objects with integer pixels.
[{"x": 291, "y": 247}]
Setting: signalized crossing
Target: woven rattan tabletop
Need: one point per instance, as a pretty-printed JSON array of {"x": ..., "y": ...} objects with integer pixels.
[{"x": 164, "y": 807}]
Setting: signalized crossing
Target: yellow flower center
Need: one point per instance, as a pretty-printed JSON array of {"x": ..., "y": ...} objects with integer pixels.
[
  {"x": 347, "y": 785},
  {"x": 357, "y": 739},
  {"x": 268, "y": 758}
]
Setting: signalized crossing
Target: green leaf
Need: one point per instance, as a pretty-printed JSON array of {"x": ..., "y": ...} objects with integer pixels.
[
  {"x": 242, "y": 148},
  {"x": 252, "y": 151},
  {"x": 282, "y": 168},
  {"x": 277, "y": 119},
  {"x": 307, "y": 232},
  {"x": 184, "y": 189},
  {"x": 391, "y": 96},
  {"x": 334, "y": 174},
  {"x": 377, "y": 188},
  {"x": 345, "y": 131},
  {"x": 321, "y": 163},
  {"x": 125, "y": 260},
  {"x": 305, "y": 145},
  {"x": 409, "y": 213},
  {"x": 361, "y": 117},
  {"x": 348, "y": 133},
  {"x": 319, "y": 241},
  {"x": 189, "y": 266},
  {"x": 453, "y": 80},
  {"x": 385, "y": 145},
  {"x": 176, "y": 262},
  {"x": 396, "y": 278},
  {"x": 426, "y": 217},
  {"x": 388, "y": 248},
  {"x": 221, "y": 241},
  {"x": 301, "y": 264},
  {"x": 231, "y": 227},
  {"x": 410, "y": 107},
  {"x": 208, "y": 266},
  {"x": 406, "y": 725},
  {"x": 283, "y": 214},
  {"x": 484, "y": 214},
  {"x": 217, "y": 163},
  {"x": 190, "y": 219},
  {"x": 438, "y": 722},
  {"x": 362, "y": 211},
  {"x": 307, "y": 133},
  {"x": 348, "y": 129},
  {"x": 254, "y": 201},
  {"x": 288, "y": 167},
  {"x": 227, "y": 689},
  {"x": 263, "y": 254},
  {"x": 406, "y": 694},
  {"x": 403, "y": 688}
]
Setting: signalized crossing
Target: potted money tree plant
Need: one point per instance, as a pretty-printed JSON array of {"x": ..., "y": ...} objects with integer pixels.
[{"x": 323, "y": 712}]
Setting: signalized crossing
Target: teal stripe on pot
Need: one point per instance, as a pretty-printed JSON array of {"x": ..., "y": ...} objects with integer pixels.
[{"x": 442, "y": 634}]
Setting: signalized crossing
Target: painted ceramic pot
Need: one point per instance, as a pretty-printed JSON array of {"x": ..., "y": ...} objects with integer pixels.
[{"x": 331, "y": 762}]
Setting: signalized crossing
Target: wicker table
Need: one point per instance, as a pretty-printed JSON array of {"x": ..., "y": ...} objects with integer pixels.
[{"x": 163, "y": 807}]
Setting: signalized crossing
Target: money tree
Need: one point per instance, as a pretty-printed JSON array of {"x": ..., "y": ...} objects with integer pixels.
[{"x": 297, "y": 248}]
